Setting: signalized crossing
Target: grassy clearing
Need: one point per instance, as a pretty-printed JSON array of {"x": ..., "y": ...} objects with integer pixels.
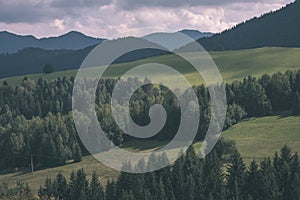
[
  {"x": 255, "y": 138},
  {"x": 34, "y": 180},
  {"x": 89, "y": 164},
  {"x": 258, "y": 138}
]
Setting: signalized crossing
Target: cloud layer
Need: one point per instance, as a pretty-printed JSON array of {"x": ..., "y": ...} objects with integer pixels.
[{"x": 108, "y": 18}]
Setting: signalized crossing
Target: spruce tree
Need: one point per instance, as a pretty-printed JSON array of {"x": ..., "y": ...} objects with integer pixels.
[
  {"x": 60, "y": 187},
  {"x": 252, "y": 182},
  {"x": 96, "y": 191},
  {"x": 269, "y": 187},
  {"x": 111, "y": 190},
  {"x": 235, "y": 177}
]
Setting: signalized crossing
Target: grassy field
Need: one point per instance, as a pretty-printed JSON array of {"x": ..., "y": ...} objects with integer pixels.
[
  {"x": 34, "y": 180},
  {"x": 89, "y": 164},
  {"x": 233, "y": 65},
  {"x": 257, "y": 138}
]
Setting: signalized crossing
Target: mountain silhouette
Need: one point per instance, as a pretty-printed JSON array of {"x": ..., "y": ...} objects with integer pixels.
[
  {"x": 32, "y": 60},
  {"x": 11, "y": 43},
  {"x": 174, "y": 40}
]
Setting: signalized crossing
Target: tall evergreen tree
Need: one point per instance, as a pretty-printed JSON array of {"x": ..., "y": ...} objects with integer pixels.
[
  {"x": 268, "y": 187},
  {"x": 61, "y": 187},
  {"x": 235, "y": 177},
  {"x": 252, "y": 182},
  {"x": 96, "y": 191}
]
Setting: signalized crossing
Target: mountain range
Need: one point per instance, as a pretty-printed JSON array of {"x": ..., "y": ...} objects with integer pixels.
[
  {"x": 63, "y": 52},
  {"x": 11, "y": 43},
  {"x": 174, "y": 40}
]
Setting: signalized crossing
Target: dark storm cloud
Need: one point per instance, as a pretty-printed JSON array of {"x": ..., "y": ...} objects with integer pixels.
[
  {"x": 21, "y": 11},
  {"x": 78, "y": 3},
  {"x": 31, "y": 11}
]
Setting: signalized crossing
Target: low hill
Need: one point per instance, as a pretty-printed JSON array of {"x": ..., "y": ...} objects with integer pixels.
[
  {"x": 278, "y": 29},
  {"x": 233, "y": 65},
  {"x": 32, "y": 60},
  {"x": 11, "y": 43}
]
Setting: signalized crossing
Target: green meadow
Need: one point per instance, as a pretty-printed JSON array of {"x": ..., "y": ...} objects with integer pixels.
[
  {"x": 233, "y": 65},
  {"x": 257, "y": 138}
]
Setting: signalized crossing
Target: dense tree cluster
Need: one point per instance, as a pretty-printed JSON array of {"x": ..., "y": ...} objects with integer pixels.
[
  {"x": 36, "y": 118},
  {"x": 50, "y": 141},
  {"x": 19, "y": 191}
]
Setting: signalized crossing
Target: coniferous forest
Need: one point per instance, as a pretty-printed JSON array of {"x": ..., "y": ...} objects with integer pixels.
[
  {"x": 221, "y": 175},
  {"x": 36, "y": 123}
]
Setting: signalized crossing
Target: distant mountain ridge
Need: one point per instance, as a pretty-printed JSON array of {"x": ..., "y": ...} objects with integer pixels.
[
  {"x": 174, "y": 39},
  {"x": 195, "y": 34},
  {"x": 60, "y": 51},
  {"x": 11, "y": 43},
  {"x": 279, "y": 28}
]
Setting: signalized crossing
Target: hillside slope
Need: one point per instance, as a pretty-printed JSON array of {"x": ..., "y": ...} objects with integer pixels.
[
  {"x": 233, "y": 65},
  {"x": 258, "y": 138},
  {"x": 278, "y": 29}
]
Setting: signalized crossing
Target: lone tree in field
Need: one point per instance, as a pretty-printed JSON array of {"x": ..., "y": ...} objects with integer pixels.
[{"x": 48, "y": 68}]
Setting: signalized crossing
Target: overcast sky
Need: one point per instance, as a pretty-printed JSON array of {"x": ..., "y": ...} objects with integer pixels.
[{"x": 110, "y": 18}]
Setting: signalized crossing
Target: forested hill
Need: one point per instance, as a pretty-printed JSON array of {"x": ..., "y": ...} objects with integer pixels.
[
  {"x": 279, "y": 29},
  {"x": 32, "y": 60}
]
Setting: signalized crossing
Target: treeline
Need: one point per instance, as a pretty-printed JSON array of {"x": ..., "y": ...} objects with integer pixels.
[
  {"x": 36, "y": 120},
  {"x": 221, "y": 175},
  {"x": 41, "y": 142}
]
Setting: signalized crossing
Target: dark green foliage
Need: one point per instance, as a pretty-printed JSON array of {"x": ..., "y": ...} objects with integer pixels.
[
  {"x": 13, "y": 64},
  {"x": 235, "y": 177},
  {"x": 278, "y": 89},
  {"x": 235, "y": 113},
  {"x": 189, "y": 178},
  {"x": 111, "y": 191},
  {"x": 61, "y": 187},
  {"x": 48, "y": 68},
  {"x": 18, "y": 191},
  {"x": 296, "y": 103},
  {"x": 96, "y": 191},
  {"x": 77, "y": 153},
  {"x": 48, "y": 140},
  {"x": 287, "y": 173},
  {"x": 253, "y": 182},
  {"x": 268, "y": 187},
  {"x": 35, "y": 117},
  {"x": 252, "y": 96}
]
